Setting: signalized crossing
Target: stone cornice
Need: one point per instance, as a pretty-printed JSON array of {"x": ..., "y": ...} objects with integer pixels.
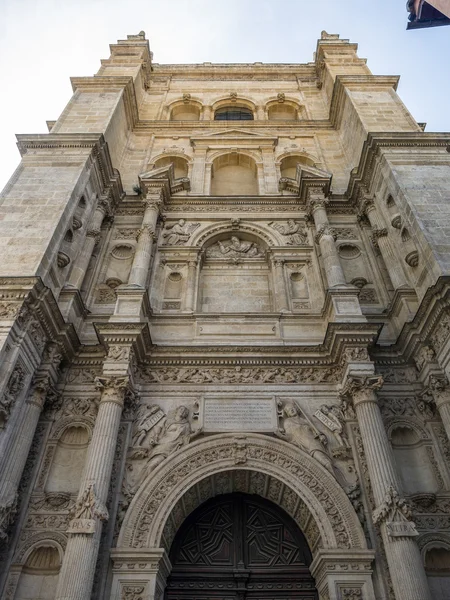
[
  {"x": 355, "y": 82},
  {"x": 99, "y": 84},
  {"x": 384, "y": 143}
]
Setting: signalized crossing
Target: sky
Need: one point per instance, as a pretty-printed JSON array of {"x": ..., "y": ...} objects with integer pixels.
[{"x": 44, "y": 42}]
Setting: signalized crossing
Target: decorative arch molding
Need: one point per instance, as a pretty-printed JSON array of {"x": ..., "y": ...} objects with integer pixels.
[
  {"x": 71, "y": 421},
  {"x": 166, "y": 154},
  {"x": 43, "y": 538},
  {"x": 202, "y": 238},
  {"x": 179, "y": 101},
  {"x": 430, "y": 541},
  {"x": 254, "y": 155},
  {"x": 319, "y": 493},
  {"x": 288, "y": 101},
  {"x": 296, "y": 153},
  {"x": 239, "y": 101},
  {"x": 408, "y": 423}
]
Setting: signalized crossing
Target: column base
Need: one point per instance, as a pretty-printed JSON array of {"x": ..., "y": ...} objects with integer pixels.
[
  {"x": 132, "y": 304},
  {"x": 140, "y": 571},
  {"x": 344, "y": 574},
  {"x": 343, "y": 305}
]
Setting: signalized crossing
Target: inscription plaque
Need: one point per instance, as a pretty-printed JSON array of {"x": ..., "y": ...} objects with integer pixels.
[{"x": 239, "y": 414}]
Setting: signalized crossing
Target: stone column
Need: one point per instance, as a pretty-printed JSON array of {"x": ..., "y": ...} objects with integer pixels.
[
  {"x": 438, "y": 387},
  {"x": 280, "y": 285},
  {"x": 380, "y": 239},
  {"x": 145, "y": 237},
  {"x": 392, "y": 514},
  {"x": 190, "y": 289},
  {"x": 326, "y": 239},
  {"x": 78, "y": 567},
  {"x": 92, "y": 237}
]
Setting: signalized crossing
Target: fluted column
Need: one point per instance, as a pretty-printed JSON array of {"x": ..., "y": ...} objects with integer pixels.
[
  {"x": 392, "y": 514},
  {"x": 143, "y": 252},
  {"x": 440, "y": 390},
  {"x": 78, "y": 567},
  {"x": 380, "y": 238},
  {"x": 16, "y": 453},
  {"x": 92, "y": 237},
  {"x": 280, "y": 286},
  {"x": 190, "y": 289},
  {"x": 326, "y": 239}
]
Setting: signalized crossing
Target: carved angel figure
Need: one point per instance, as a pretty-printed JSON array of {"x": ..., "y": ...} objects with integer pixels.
[
  {"x": 179, "y": 233},
  {"x": 234, "y": 248},
  {"x": 333, "y": 418},
  {"x": 299, "y": 431},
  {"x": 296, "y": 235},
  {"x": 167, "y": 436}
]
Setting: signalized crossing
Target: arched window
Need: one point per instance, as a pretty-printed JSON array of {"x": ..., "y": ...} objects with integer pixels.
[
  {"x": 235, "y": 175},
  {"x": 233, "y": 113}
]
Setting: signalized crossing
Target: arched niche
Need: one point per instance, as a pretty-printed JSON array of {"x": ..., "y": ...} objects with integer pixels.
[
  {"x": 234, "y": 174},
  {"x": 39, "y": 575},
  {"x": 412, "y": 460},
  {"x": 235, "y": 262},
  {"x": 437, "y": 568},
  {"x": 185, "y": 112},
  {"x": 68, "y": 461},
  {"x": 180, "y": 165},
  {"x": 288, "y": 165},
  {"x": 282, "y": 112}
]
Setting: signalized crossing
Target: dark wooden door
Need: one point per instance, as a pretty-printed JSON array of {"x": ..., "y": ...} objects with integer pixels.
[{"x": 240, "y": 547}]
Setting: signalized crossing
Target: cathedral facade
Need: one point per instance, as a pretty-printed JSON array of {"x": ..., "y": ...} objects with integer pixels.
[{"x": 225, "y": 338}]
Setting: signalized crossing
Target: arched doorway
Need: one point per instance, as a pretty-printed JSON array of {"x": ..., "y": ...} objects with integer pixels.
[{"x": 240, "y": 546}]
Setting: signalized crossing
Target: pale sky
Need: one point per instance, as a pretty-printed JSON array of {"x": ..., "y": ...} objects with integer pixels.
[{"x": 44, "y": 42}]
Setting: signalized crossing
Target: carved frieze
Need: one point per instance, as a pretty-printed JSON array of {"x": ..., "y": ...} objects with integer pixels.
[
  {"x": 292, "y": 231},
  {"x": 179, "y": 233},
  {"x": 234, "y": 248}
]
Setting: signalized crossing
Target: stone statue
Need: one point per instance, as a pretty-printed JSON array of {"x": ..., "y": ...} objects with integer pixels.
[
  {"x": 166, "y": 437},
  {"x": 234, "y": 248},
  {"x": 333, "y": 418},
  {"x": 296, "y": 235},
  {"x": 178, "y": 233},
  {"x": 147, "y": 416},
  {"x": 298, "y": 430}
]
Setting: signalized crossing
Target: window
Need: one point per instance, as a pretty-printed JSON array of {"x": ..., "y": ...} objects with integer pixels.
[{"x": 233, "y": 113}]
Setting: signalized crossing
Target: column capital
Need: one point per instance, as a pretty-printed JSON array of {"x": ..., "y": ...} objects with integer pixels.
[
  {"x": 112, "y": 389},
  {"x": 153, "y": 202},
  {"x": 325, "y": 230},
  {"x": 40, "y": 387},
  {"x": 438, "y": 387},
  {"x": 316, "y": 199},
  {"x": 95, "y": 234},
  {"x": 362, "y": 388}
]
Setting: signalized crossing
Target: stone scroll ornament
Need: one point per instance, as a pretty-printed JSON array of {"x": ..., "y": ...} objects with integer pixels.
[
  {"x": 333, "y": 418},
  {"x": 293, "y": 231},
  {"x": 156, "y": 436},
  {"x": 86, "y": 511},
  {"x": 234, "y": 248},
  {"x": 178, "y": 233},
  {"x": 297, "y": 429}
]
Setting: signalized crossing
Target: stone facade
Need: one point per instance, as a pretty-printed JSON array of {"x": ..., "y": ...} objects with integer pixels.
[{"x": 222, "y": 278}]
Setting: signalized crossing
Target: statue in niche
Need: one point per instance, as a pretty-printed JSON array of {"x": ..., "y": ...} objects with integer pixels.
[
  {"x": 178, "y": 233},
  {"x": 298, "y": 429},
  {"x": 156, "y": 436},
  {"x": 234, "y": 248},
  {"x": 294, "y": 232},
  {"x": 333, "y": 418}
]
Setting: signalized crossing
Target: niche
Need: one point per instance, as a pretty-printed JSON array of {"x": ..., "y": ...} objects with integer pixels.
[
  {"x": 119, "y": 264},
  {"x": 282, "y": 112},
  {"x": 299, "y": 287},
  {"x": 412, "y": 462},
  {"x": 180, "y": 165},
  {"x": 437, "y": 567},
  {"x": 68, "y": 461},
  {"x": 288, "y": 166},
  {"x": 234, "y": 174},
  {"x": 172, "y": 289},
  {"x": 39, "y": 576},
  {"x": 185, "y": 112}
]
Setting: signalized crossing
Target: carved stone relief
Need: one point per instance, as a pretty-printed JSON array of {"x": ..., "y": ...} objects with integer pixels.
[
  {"x": 233, "y": 248},
  {"x": 292, "y": 231},
  {"x": 179, "y": 233}
]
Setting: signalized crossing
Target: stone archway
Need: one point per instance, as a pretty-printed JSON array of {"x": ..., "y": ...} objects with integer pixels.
[{"x": 305, "y": 490}]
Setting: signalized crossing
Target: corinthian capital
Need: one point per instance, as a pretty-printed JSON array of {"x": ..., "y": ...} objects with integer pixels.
[
  {"x": 325, "y": 230},
  {"x": 438, "y": 387},
  {"x": 112, "y": 388},
  {"x": 362, "y": 389},
  {"x": 146, "y": 230}
]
